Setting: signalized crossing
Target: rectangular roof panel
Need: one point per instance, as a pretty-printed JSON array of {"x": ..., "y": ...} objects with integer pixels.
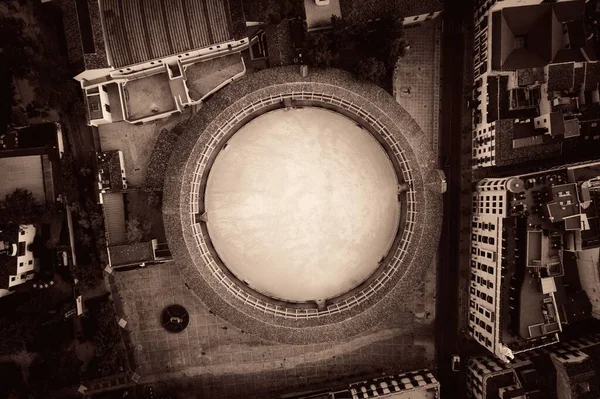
[
  {"x": 141, "y": 30},
  {"x": 22, "y": 172}
]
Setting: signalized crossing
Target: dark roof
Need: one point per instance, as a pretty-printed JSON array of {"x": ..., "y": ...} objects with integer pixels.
[
  {"x": 364, "y": 10},
  {"x": 589, "y": 112},
  {"x": 540, "y": 28},
  {"x": 507, "y": 155},
  {"x": 8, "y": 267},
  {"x": 498, "y": 106},
  {"x": 137, "y": 31},
  {"x": 575, "y": 306},
  {"x": 571, "y": 374},
  {"x": 561, "y": 76},
  {"x": 493, "y": 95},
  {"x": 579, "y": 77},
  {"x": 592, "y": 75},
  {"x": 110, "y": 164},
  {"x": 529, "y": 76},
  {"x": 569, "y": 11},
  {"x": 576, "y": 34},
  {"x": 131, "y": 254},
  {"x": 8, "y": 264},
  {"x": 494, "y": 383}
]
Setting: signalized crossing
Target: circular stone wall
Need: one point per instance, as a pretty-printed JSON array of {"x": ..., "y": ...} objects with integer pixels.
[
  {"x": 400, "y": 224},
  {"x": 302, "y": 204}
]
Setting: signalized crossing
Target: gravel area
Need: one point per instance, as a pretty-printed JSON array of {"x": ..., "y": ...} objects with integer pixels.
[
  {"x": 560, "y": 76},
  {"x": 403, "y": 131}
]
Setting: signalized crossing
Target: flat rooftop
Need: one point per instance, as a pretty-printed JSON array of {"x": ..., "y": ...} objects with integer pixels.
[
  {"x": 147, "y": 96},
  {"x": 564, "y": 202},
  {"x": 24, "y": 172},
  {"x": 320, "y": 16},
  {"x": 537, "y": 316},
  {"x": 202, "y": 77},
  {"x": 131, "y": 254},
  {"x": 138, "y": 31}
]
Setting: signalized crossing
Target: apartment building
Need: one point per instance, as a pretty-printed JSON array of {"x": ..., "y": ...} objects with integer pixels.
[
  {"x": 522, "y": 226},
  {"x": 535, "y": 80},
  {"x": 566, "y": 370}
]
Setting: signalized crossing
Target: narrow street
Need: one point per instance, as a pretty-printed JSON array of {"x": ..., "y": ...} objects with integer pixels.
[{"x": 448, "y": 314}]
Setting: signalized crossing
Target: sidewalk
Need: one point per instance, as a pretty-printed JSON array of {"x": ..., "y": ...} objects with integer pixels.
[
  {"x": 417, "y": 78},
  {"x": 417, "y": 90}
]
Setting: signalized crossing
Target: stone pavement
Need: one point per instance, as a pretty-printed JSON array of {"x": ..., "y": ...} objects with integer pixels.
[
  {"x": 417, "y": 89},
  {"x": 212, "y": 358},
  {"x": 417, "y": 77}
]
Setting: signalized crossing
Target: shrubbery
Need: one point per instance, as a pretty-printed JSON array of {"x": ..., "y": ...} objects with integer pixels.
[{"x": 370, "y": 50}]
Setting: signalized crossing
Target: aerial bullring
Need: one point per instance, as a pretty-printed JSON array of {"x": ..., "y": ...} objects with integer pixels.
[{"x": 302, "y": 209}]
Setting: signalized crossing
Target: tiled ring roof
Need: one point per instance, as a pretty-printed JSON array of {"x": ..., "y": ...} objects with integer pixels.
[{"x": 403, "y": 268}]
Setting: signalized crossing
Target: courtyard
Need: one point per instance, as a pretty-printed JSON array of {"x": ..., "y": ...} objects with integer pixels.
[{"x": 136, "y": 143}]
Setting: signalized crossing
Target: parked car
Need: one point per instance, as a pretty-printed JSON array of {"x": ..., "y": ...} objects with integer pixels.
[
  {"x": 455, "y": 363},
  {"x": 62, "y": 258},
  {"x": 322, "y": 2}
]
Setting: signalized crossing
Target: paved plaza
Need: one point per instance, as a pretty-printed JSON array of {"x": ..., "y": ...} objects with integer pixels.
[
  {"x": 212, "y": 358},
  {"x": 417, "y": 90},
  {"x": 417, "y": 78}
]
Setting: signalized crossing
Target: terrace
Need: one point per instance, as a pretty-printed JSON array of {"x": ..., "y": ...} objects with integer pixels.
[
  {"x": 148, "y": 96},
  {"x": 132, "y": 254},
  {"x": 543, "y": 253},
  {"x": 204, "y": 77},
  {"x": 564, "y": 202},
  {"x": 111, "y": 171},
  {"x": 538, "y": 314},
  {"x": 319, "y": 17},
  {"x": 530, "y": 203}
]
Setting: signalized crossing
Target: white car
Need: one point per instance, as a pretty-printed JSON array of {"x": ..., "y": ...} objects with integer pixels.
[
  {"x": 322, "y": 2},
  {"x": 455, "y": 363}
]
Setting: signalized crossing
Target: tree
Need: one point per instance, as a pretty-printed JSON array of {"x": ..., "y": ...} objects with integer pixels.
[
  {"x": 36, "y": 110},
  {"x": 89, "y": 276},
  {"x": 107, "y": 342},
  {"x": 20, "y": 207},
  {"x": 154, "y": 200},
  {"x": 68, "y": 182},
  {"x": 320, "y": 50},
  {"x": 398, "y": 48},
  {"x": 17, "y": 52},
  {"x": 372, "y": 70},
  {"x": 138, "y": 230}
]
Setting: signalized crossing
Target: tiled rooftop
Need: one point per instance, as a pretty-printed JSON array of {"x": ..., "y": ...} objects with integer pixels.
[
  {"x": 131, "y": 254},
  {"x": 364, "y": 10},
  {"x": 111, "y": 170},
  {"x": 137, "y": 31}
]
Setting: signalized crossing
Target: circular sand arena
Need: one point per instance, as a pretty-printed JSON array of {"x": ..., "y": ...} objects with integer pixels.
[
  {"x": 302, "y": 204},
  {"x": 302, "y": 209}
]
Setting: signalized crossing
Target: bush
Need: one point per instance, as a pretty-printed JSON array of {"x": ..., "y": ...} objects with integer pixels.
[
  {"x": 20, "y": 207},
  {"x": 68, "y": 181},
  {"x": 154, "y": 199},
  {"x": 372, "y": 70},
  {"x": 108, "y": 351},
  {"x": 90, "y": 275},
  {"x": 379, "y": 44},
  {"x": 138, "y": 230}
]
